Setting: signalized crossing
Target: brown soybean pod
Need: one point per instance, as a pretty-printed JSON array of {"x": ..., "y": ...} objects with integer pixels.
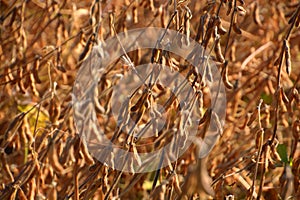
[
  {"x": 111, "y": 24},
  {"x": 241, "y": 10},
  {"x": 87, "y": 47},
  {"x": 20, "y": 81},
  {"x": 245, "y": 122},
  {"x": 32, "y": 85},
  {"x": 135, "y": 14},
  {"x": 256, "y": 16},
  {"x": 218, "y": 51},
  {"x": 53, "y": 159},
  {"x": 258, "y": 138},
  {"x": 162, "y": 16},
  {"x": 284, "y": 97},
  {"x": 36, "y": 65},
  {"x": 232, "y": 53},
  {"x": 225, "y": 79},
  {"x": 139, "y": 103},
  {"x": 221, "y": 29},
  {"x": 187, "y": 18},
  {"x": 230, "y": 5},
  {"x": 252, "y": 117},
  {"x": 236, "y": 28},
  {"x": 87, "y": 157},
  {"x": 8, "y": 75},
  {"x": 287, "y": 55}
]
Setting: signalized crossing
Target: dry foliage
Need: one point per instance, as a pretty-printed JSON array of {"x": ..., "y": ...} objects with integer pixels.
[{"x": 256, "y": 45}]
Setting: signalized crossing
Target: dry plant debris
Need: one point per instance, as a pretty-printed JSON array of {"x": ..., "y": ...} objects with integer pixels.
[{"x": 256, "y": 45}]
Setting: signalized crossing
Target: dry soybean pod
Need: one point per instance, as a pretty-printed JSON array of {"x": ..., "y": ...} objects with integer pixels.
[
  {"x": 187, "y": 18},
  {"x": 87, "y": 157},
  {"x": 59, "y": 65},
  {"x": 162, "y": 14},
  {"x": 287, "y": 55},
  {"x": 92, "y": 12},
  {"x": 8, "y": 75},
  {"x": 256, "y": 15},
  {"x": 241, "y": 10},
  {"x": 87, "y": 47},
  {"x": 66, "y": 151},
  {"x": 20, "y": 80},
  {"x": 230, "y": 5},
  {"x": 233, "y": 52},
  {"x": 281, "y": 101},
  {"x": 235, "y": 27},
  {"x": 200, "y": 31},
  {"x": 225, "y": 78},
  {"x": 252, "y": 117},
  {"x": 221, "y": 29},
  {"x": 139, "y": 103},
  {"x": 135, "y": 14},
  {"x": 36, "y": 64},
  {"x": 53, "y": 158},
  {"x": 270, "y": 86},
  {"x": 111, "y": 23},
  {"x": 151, "y": 5},
  {"x": 245, "y": 122},
  {"x": 284, "y": 97},
  {"x": 54, "y": 110},
  {"x": 33, "y": 85},
  {"x": 217, "y": 50}
]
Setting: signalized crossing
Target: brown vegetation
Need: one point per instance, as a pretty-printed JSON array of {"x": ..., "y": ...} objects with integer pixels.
[{"x": 256, "y": 45}]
